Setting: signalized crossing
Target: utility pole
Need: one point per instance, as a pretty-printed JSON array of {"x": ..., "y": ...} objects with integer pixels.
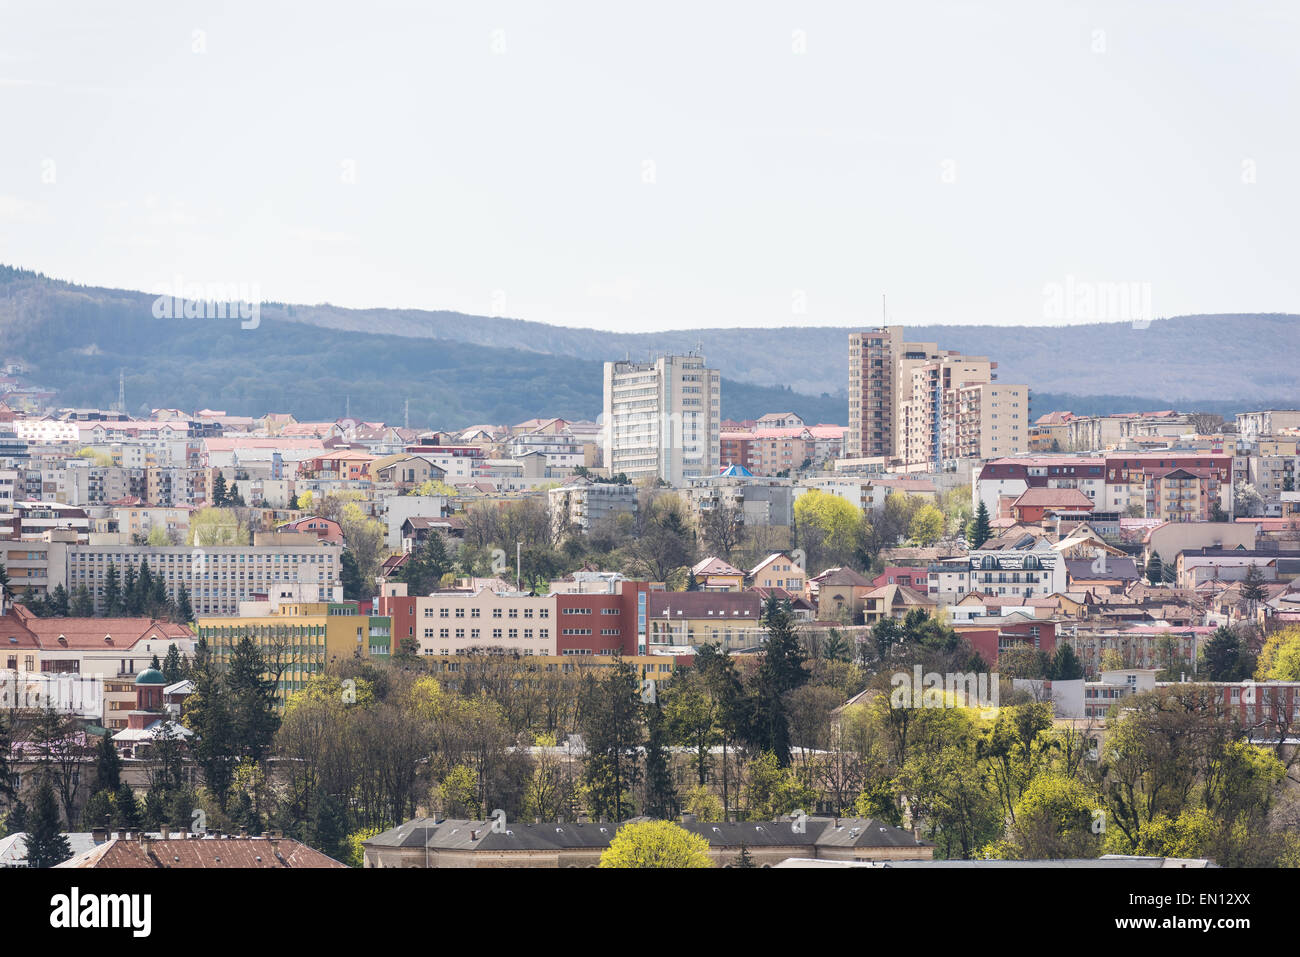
[{"x": 519, "y": 577}]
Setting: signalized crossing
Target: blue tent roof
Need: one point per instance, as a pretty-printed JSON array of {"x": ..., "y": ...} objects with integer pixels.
[{"x": 736, "y": 470}]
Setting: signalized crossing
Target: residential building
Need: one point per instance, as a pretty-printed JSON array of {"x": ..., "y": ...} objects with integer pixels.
[{"x": 662, "y": 418}]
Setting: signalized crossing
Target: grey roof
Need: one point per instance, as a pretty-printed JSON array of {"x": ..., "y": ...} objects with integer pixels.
[
  {"x": 1124, "y": 569},
  {"x": 464, "y": 834},
  {"x": 13, "y": 849},
  {"x": 1107, "y": 861}
]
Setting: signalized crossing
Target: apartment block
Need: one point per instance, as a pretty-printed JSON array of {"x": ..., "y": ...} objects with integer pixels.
[
  {"x": 912, "y": 404},
  {"x": 663, "y": 418},
  {"x": 217, "y": 578}
]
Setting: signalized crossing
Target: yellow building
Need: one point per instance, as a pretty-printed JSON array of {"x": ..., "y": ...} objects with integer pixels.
[{"x": 299, "y": 639}]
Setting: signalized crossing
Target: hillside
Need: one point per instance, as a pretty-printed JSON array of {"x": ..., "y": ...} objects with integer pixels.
[
  {"x": 453, "y": 368},
  {"x": 76, "y": 339}
]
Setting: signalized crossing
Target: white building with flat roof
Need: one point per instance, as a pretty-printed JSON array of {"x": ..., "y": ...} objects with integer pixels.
[{"x": 663, "y": 419}]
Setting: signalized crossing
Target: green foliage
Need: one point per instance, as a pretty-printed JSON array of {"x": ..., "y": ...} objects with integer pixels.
[
  {"x": 354, "y": 853},
  {"x": 458, "y": 793},
  {"x": 926, "y": 526},
  {"x": 1279, "y": 659},
  {"x": 46, "y": 844},
  {"x": 982, "y": 531},
  {"x": 613, "y": 732},
  {"x": 772, "y": 791},
  {"x": 703, "y": 803},
  {"x": 1225, "y": 657},
  {"x": 656, "y": 844}
]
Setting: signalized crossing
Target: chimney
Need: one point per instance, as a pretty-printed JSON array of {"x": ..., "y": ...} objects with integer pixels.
[
  {"x": 99, "y": 835},
  {"x": 688, "y": 818}
]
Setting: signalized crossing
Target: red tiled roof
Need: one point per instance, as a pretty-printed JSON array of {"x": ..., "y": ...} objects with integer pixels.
[
  {"x": 208, "y": 853},
  {"x": 1070, "y": 498},
  {"x": 89, "y": 632}
]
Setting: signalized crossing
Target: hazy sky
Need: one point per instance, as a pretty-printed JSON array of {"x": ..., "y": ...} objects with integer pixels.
[{"x": 661, "y": 165}]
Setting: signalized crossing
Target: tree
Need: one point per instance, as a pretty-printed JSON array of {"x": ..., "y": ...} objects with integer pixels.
[
  {"x": 61, "y": 752},
  {"x": 130, "y": 593},
  {"x": 6, "y": 775},
  {"x": 1054, "y": 820},
  {"x": 664, "y": 544},
  {"x": 217, "y": 527},
  {"x": 423, "y": 571},
  {"x": 365, "y": 540},
  {"x": 827, "y": 527},
  {"x": 59, "y": 604},
  {"x": 660, "y": 795},
  {"x": 612, "y": 729},
  {"x": 1225, "y": 657},
  {"x": 83, "y": 606},
  {"x": 656, "y": 844},
  {"x": 184, "y": 610},
  {"x": 722, "y": 528},
  {"x": 112, "y": 592},
  {"x": 1253, "y": 590},
  {"x": 108, "y": 765},
  {"x": 692, "y": 718},
  {"x": 1246, "y": 498},
  {"x": 780, "y": 671},
  {"x": 253, "y": 700},
  {"x": 98, "y": 811},
  {"x": 173, "y": 666},
  {"x": 1205, "y": 423},
  {"x": 982, "y": 530},
  {"x": 926, "y": 527},
  {"x": 1279, "y": 659},
  {"x": 1066, "y": 665},
  {"x": 46, "y": 845},
  {"x": 219, "y": 491},
  {"x": 744, "y": 858},
  {"x": 208, "y": 715},
  {"x": 772, "y": 791},
  {"x": 16, "y": 820},
  {"x": 354, "y": 586},
  {"x": 128, "y": 814}
]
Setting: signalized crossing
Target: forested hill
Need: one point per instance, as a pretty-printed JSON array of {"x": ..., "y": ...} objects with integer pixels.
[
  {"x": 77, "y": 339},
  {"x": 454, "y": 369}
]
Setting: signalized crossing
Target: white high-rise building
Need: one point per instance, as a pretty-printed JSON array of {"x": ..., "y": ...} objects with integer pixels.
[{"x": 663, "y": 418}]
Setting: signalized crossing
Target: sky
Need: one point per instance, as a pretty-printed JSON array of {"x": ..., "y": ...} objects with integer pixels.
[{"x": 643, "y": 167}]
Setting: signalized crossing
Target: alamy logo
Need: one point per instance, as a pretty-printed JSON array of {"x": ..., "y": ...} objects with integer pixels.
[
  {"x": 1078, "y": 300},
  {"x": 71, "y": 911},
  {"x": 213, "y": 300},
  {"x": 954, "y": 689}
]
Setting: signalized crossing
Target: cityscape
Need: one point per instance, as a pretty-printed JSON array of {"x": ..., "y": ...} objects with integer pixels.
[{"x": 557, "y": 437}]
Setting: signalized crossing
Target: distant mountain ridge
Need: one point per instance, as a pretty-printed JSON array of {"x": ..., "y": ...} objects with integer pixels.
[{"x": 460, "y": 369}]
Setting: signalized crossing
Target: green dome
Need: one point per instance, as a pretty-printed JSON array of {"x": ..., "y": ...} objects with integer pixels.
[{"x": 150, "y": 676}]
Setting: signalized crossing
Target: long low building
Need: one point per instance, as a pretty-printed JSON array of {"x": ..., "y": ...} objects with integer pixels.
[{"x": 428, "y": 842}]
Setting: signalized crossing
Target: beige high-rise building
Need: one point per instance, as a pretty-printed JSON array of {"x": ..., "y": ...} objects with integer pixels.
[
  {"x": 663, "y": 418},
  {"x": 880, "y": 363},
  {"x": 914, "y": 404}
]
